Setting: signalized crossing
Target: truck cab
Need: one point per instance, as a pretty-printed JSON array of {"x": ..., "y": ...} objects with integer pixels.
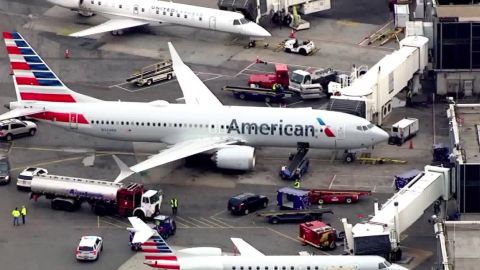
[
  {"x": 150, "y": 204},
  {"x": 268, "y": 80}
]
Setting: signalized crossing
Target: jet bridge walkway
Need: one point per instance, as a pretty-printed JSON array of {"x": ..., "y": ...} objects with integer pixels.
[{"x": 380, "y": 235}]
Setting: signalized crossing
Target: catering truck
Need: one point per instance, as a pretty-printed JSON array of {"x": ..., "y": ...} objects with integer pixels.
[{"x": 105, "y": 197}]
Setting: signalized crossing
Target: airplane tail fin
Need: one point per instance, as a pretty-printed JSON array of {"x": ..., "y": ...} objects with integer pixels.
[
  {"x": 157, "y": 252},
  {"x": 32, "y": 77}
]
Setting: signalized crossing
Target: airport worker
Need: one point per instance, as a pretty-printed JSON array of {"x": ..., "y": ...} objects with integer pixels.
[
  {"x": 23, "y": 212},
  {"x": 274, "y": 87},
  {"x": 296, "y": 184},
  {"x": 174, "y": 205},
  {"x": 15, "y": 215}
]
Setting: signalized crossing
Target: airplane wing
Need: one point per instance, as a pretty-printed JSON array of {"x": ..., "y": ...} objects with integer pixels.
[
  {"x": 110, "y": 25},
  {"x": 142, "y": 231},
  {"x": 194, "y": 90},
  {"x": 244, "y": 248},
  {"x": 19, "y": 113},
  {"x": 175, "y": 152}
]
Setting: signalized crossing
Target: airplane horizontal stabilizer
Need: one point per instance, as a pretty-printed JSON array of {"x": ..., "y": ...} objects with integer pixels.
[
  {"x": 110, "y": 25},
  {"x": 244, "y": 248},
  {"x": 15, "y": 113}
]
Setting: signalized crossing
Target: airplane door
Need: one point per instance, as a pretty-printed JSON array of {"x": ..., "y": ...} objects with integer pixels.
[
  {"x": 340, "y": 132},
  {"x": 73, "y": 119},
  {"x": 135, "y": 9},
  {"x": 213, "y": 23}
]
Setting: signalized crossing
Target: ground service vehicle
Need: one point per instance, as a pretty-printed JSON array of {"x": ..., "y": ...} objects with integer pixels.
[
  {"x": 403, "y": 130},
  {"x": 301, "y": 47},
  {"x": 312, "y": 82},
  {"x": 24, "y": 179},
  {"x": 262, "y": 94},
  {"x": 318, "y": 234},
  {"x": 279, "y": 216},
  {"x": 291, "y": 198},
  {"x": 5, "y": 177},
  {"x": 246, "y": 203},
  {"x": 297, "y": 166},
  {"x": 153, "y": 73},
  {"x": 268, "y": 80},
  {"x": 15, "y": 128},
  {"x": 105, "y": 197},
  {"x": 89, "y": 248},
  {"x": 321, "y": 196}
]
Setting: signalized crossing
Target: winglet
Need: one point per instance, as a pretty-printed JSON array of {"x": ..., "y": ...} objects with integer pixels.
[{"x": 124, "y": 169}]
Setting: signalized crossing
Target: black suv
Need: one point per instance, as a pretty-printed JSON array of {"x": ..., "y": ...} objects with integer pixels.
[
  {"x": 246, "y": 203},
  {"x": 4, "y": 170}
]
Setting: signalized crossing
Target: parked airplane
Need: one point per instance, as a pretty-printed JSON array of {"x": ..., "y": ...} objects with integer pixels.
[
  {"x": 159, "y": 255},
  {"x": 124, "y": 14},
  {"x": 200, "y": 125}
]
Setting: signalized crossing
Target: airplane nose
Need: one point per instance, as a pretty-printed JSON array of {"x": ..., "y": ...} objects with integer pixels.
[
  {"x": 380, "y": 135},
  {"x": 255, "y": 30}
]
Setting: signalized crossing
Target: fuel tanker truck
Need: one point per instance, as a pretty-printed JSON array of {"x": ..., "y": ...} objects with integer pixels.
[{"x": 105, "y": 197}]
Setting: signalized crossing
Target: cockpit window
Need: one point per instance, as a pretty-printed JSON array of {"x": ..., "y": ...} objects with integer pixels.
[
  {"x": 387, "y": 264},
  {"x": 244, "y": 21},
  {"x": 381, "y": 266},
  {"x": 360, "y": 128},
  {"x": 236, "y": 22},
  {"x": 369, "y": 126},
  {"x": 365, "y": 128}
]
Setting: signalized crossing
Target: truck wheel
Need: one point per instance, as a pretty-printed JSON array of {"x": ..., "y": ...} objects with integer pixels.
[
  {"x": 287, "y": 50},
  {"x": 268, "y": 99},
  {"x": 246, "y": 211},
  {"x": 139, "y": 214},
  {"x": 274, "y": 220},
  {"x": 265, "y": 204},
  {"x": 241, "y": 96},
  {"x": 8, "y": 137},
  {"x": 348, "y": 200},
  {"x": 349, "y": 158},
  {"x": 302, "y": 52},
  {"x": 169, "y": 76},
  {"x": 32, "y": 132},
  {"x": 320, "y": 201},
  {"x": 332, "y": 245},
  {"x": 149, "y": 82}
]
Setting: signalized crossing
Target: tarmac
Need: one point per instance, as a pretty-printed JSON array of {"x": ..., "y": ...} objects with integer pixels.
[{"x": 98, "y": 67}]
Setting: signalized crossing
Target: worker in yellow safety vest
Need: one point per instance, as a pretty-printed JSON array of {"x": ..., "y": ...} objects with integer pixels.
[
  {"x": 23, "y": 212},
  {"x": 15, "y": 215},
  {"x": 174, "y": 205}
]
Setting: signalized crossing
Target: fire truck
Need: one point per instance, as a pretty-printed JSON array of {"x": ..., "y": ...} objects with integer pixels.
[
  {"x": 318, "y": 234},
  {"x": 105, "y": 197}
]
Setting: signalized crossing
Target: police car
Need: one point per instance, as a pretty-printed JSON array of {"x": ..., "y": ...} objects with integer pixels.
[{"x": 89, "y": 248}]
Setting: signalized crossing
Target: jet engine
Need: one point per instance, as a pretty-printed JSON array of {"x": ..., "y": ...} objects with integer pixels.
[
  {"x": 200, "y": 251},
  {"x": 238, "y": 157}
]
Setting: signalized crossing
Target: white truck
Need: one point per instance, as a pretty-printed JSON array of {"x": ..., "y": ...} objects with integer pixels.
[
  {"x": 403, "y": 130},
  {"x": 294, "y": 45},
  {"x": 105, "y": 197},
  {"x": 154, "y": 73},
  {"x": 311, "y": 83}
]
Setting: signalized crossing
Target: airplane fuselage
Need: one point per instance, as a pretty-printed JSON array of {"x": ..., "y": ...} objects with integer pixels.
[
  {"x": 160, "y": 121},
  {"x": 158, "y": 11}
]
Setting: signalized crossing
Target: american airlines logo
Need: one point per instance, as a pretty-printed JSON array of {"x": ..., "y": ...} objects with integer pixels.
[{"x": 279, "y": 129}]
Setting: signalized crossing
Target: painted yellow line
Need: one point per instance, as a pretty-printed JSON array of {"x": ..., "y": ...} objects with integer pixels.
[
  {"x": 197, "y": 220},
  {"x": 210, "y": 221},
  {"x": 10, "y": 147},
  {"x": 221, "y": 222},
  {"x": 181, "y": 225},
  {"x": 186, "y": 221},
  {"x": 98, "y": 222},
  {"x": 218, "y": 213},
  {"x": 117, "y": 220},
  {"x": 115, "y": 225}
]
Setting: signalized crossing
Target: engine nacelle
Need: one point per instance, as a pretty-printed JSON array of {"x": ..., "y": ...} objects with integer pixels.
[
  {"x": 238, "y": 157},
  {"x": 200, "y": 251}
]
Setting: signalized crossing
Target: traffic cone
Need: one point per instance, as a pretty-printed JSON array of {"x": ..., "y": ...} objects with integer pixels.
[
  {"x": 304, "y": 241},
  {"x": 411, "y": 145},
  {"x": 67, "y": 53},
  {"x": 292, "y": 34},
  {"x": 258, "y": 60},
  {"x": 11, "y": 71}
]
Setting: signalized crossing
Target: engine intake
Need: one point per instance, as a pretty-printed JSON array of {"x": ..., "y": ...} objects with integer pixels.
[{"x": 238, "y": 157}]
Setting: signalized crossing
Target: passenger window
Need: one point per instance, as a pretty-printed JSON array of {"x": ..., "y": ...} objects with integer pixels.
[
  {"x": 143, "y": 10},
  {"x": 291, "y": 267},
  {"x": 185, "y": 16},
  {"x": 249, "y": 268},
  {"x": 126, "y": 123},
  {"x": 200, "y": 18},
  {"x": 99, "y": 3},
  {"x": 145, "y": 200},
  {"x": 275, "y": 268},
  {"x": 308, "y": 267},
  {"x": 171, "y": 14},
  {"x": 158, "y": 11},
  {"x": 164, "y": 13},
  {"x": 96, "y": 122},
  {"x": 101, "y": 122},
  {"x": 359, "y": 128},
  {"x": 233, "y": 267},
  {"x": 142, "y": 123},
  {"x": 175, "y": 125},
  {"x": 120, "y": 6},
  {"x": 179, "y": 125},
  {"x": 93, "y": 2},
  {"x": 178, "y": 15}
]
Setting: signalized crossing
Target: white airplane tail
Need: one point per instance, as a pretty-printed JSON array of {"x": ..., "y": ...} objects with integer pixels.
[
  {"x": 157, "y": 252},
  {"x": 33, "y": 79}
]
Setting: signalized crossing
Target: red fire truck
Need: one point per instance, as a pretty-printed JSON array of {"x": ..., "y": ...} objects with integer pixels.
[
  {"x": 318, "y": 234},
  {"x": 321, "y": 196}
]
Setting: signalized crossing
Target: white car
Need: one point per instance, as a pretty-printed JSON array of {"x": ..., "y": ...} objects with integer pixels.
[
  {"x": 24, "y": 179},
  {"x": 89, "y": 248},
  {"x": 301, "y": 47},
  {"x": 14, "y": 128}
]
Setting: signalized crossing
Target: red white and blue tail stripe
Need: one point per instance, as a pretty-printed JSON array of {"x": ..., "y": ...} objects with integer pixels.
[
  {"x": 159, "y": 255},
  {"x": 32, "y": 77}
]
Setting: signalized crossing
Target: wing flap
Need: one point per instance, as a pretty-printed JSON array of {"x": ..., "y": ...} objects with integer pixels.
[
  {"x": 175, "y": 152},
  {"x": 110, "y": 25},
  {"x": 244, "y": 248},
  {"x": 194, "y": 90}
]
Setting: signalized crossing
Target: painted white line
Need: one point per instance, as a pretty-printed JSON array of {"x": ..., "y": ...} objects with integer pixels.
[
  {"x": 117, "y": 85},
  {"x": 125, "y": 89},
  {"x": 213, "y": 74},
  {"x": 331, "y": 182},
  {"x": 294, "y": 103},
  {"x": 214, "y": 78},
  {"x": 241, "y": 71}
]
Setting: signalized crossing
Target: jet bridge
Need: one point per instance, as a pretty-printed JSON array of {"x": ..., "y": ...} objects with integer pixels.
[
  {"x": 393, "y": 73},
  {"x": 380, "y": 235}
]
